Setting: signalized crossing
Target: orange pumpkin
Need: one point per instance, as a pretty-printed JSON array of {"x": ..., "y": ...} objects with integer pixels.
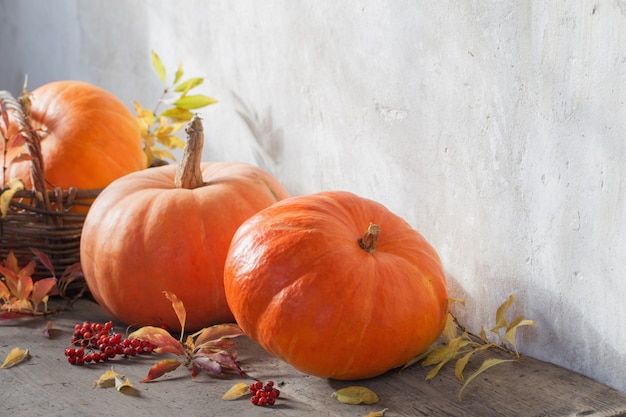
[
  {"x": 144, "y": 234},
  {"x": 89, "y": 138},
  {"x": 336, "y": 285}
]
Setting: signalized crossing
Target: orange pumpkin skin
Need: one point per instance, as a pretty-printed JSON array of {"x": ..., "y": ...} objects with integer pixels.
[
  {"x": 89, "y": 138},
  {"x": 299, "y": 284},
  {"x": 143, "y": 236}
]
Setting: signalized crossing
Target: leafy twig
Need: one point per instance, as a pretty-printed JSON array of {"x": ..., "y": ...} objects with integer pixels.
[
  {"x": 206, "y": 350},
  {"x": 159, "y": 130},
  {"x": 19, "y": 293},
  {"x": 462, "y": 347}
]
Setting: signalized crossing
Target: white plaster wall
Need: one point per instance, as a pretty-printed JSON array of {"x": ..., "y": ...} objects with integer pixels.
[{"x": 496, "y": 128}]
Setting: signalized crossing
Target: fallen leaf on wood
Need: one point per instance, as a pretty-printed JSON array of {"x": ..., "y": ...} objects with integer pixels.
[
  {"x": 380, "y": 413},
  {"x": 15, "y": 356},
  {"x": 107, "y": 379},
  {"x": 236, "y": 391},
  {"x": 356, "y": 395}
]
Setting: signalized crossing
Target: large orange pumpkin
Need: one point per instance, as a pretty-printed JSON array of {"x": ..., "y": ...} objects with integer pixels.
[
  {"x": 89, "y": 138},
  {"x": 336, "y": 285},
  {"x": 145, "y": 234}
]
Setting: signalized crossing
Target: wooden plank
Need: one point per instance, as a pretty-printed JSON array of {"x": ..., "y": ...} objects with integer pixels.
[{"x": 46, "y": 385}]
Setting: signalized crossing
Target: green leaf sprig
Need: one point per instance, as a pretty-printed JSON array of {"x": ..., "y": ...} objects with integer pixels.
[{"x": 159, "y": 130}]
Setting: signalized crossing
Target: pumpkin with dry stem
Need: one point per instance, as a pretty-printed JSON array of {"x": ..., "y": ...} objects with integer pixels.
[
  {"x": 168, "y": 229},
  {"x": 336, "y": 285}
]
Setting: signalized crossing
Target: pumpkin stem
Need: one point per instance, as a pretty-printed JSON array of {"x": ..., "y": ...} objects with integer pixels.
[
  {"x": 370, "y": 238},
  {"x": 189, "y": 172}
]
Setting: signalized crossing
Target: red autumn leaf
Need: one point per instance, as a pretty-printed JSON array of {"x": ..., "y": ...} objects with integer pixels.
[
  {"x": 216, "y": 336},
  {"x": 10, "y": 316},
  {"x": 45, "y": 260},
  {"x": 11, "y": 263},
  {"x": 28, "y": 270},
  {"x": 24, "y": 287},
  {"x": 42, "y": 288},
  {"x": 161, "y": 368},
  {"x": 179, "y": 309},
  {"x": 222, "y": 358},
  {"x": 159, "y": 337},
  {"x": 208, "y": 365},
  {"x": 4, "y": 291},
  {"x": 48, "y": 330},
  {"x": 10, "y": 277},
  {"x": 195, "y": 371}
]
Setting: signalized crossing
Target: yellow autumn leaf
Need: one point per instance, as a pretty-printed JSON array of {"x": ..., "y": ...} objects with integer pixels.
[
  {"x": 511, "y": 331},
  {"x": 162, "y": 154},
  {"x": 15, "y": 356},
  {"x": 143, "y": 115},
  {"x": 179, "y": 114},
  {"x": 15, "y": 185},
  {"x": 356, "y": 395},
  {"x": 450, "y": 329},
  {"x": 488, "y": 363},
  {"x": 500, "y": 319},
  {"x": 107, "y": 379},
  {"x": 187, "y": 85},
  {"x": 461, "y": 363},
  {"x": 123, "y": 385},
  {"x": 179, "y": 73},
  {"x": 452, "y": 300},
  {"x": 380, "y": 413},
  {"x": 196, "y": 101},
  {"x": 236, "y": 391},
  {"x": 158, "y": 66}
]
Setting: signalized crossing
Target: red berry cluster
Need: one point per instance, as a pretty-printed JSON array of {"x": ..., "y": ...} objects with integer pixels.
[
  {"x": 263, "y": 394},
  {"x": 102, "y": 344}
]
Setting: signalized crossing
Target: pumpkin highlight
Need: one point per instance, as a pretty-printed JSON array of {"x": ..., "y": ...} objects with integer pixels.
[{"x": 335, "y": 285}]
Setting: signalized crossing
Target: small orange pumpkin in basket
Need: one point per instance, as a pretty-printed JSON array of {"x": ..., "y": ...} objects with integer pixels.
[{"x": 88, "y": 137}]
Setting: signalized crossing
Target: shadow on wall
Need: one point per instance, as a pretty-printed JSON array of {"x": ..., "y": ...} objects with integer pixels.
[{"x": 267, "y": 140}]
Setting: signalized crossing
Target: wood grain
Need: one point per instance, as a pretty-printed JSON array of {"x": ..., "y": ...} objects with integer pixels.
[{"x": 46, "y": 385}]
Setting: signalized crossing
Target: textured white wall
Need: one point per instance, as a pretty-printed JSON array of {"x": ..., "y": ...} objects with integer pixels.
[{"x": 495, "y": 128}]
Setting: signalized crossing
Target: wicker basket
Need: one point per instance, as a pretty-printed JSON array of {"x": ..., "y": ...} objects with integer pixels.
[{"x": 41, "y": 218}]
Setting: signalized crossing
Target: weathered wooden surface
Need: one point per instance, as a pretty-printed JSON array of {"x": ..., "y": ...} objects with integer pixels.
[{"x": 46, "y": 385}]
